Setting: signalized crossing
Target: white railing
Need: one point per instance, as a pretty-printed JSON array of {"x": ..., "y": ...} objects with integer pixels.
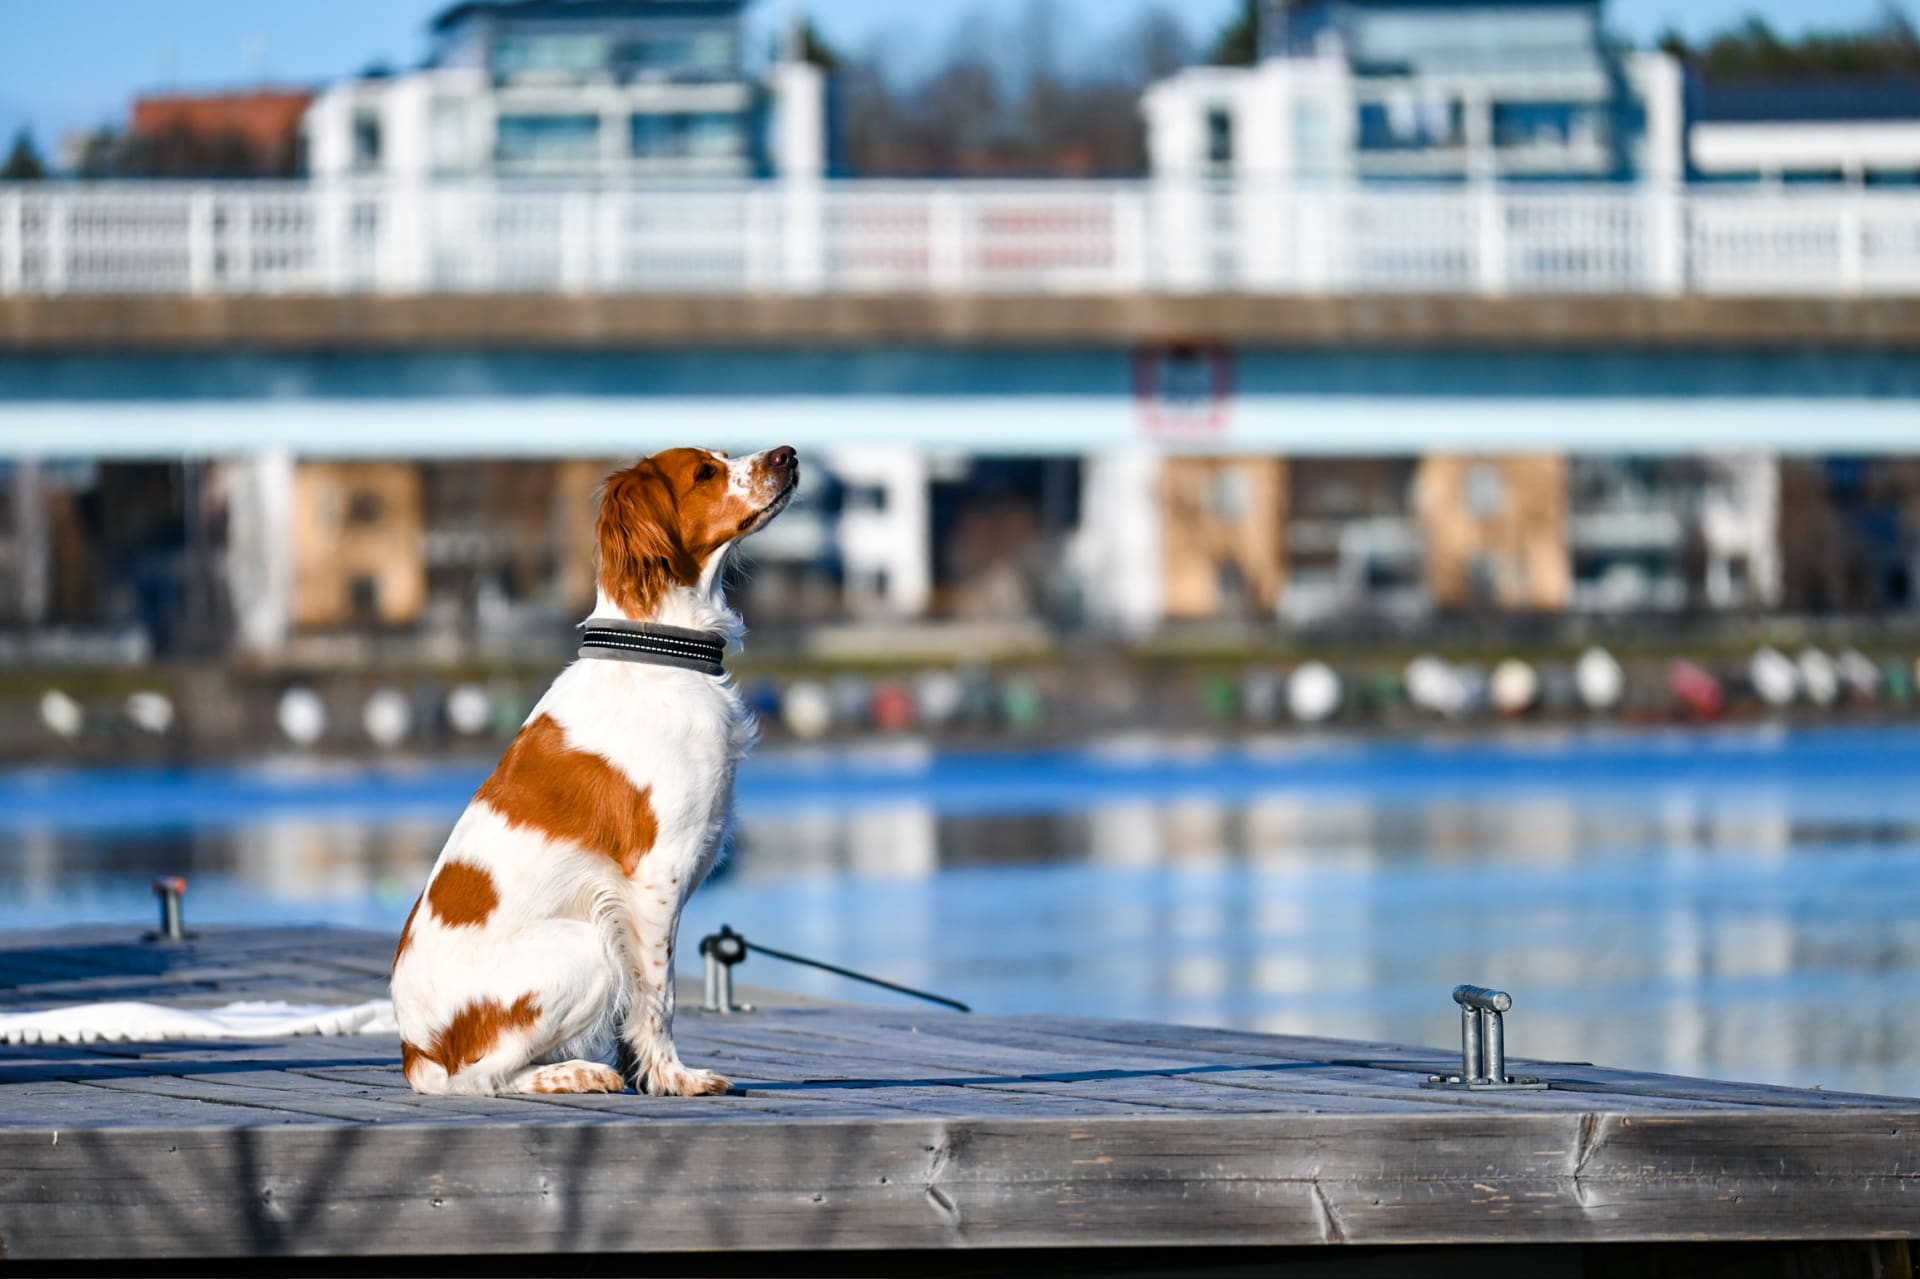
[{"x": 1049, "y": 237}]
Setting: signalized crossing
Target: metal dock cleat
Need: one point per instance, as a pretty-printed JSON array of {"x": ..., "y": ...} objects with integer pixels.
[{"x": 1483, "y": 1045}]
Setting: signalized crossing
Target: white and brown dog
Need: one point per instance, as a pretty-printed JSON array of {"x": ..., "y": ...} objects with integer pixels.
[{"x": 543, "y": 944}]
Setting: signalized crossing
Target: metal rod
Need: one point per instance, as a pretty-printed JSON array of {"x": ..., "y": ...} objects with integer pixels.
[
  {"x": 1498, "y": 1001},
  {"x": 1472, "y": 1051},
  {"x": 714, "y": 970},
  {"x": 722, "y": 950},
  {"x": 1493, "y": 1045},
  {"x": 848, "y": 972}
]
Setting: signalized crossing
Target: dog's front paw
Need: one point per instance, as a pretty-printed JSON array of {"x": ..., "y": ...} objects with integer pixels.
[{"x": 671, "y": 1079}]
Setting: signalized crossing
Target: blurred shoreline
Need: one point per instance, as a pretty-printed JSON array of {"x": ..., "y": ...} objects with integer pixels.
[{"x": 981, "y": 688}]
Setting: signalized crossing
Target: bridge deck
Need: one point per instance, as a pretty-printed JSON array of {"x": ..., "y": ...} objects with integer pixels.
[
  {"x": 550, "y": 322},
  {"x": 867, "y": 1127}
]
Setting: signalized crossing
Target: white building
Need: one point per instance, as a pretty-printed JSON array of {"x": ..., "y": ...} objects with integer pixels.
[
  {"x": 1664, "y": 534},
  {"x": 608, "y": 89},
  {"x": 1861, "y": 132},
  {"x": 1514, "y": 90},
  {"x": 1416, "y": 89}
]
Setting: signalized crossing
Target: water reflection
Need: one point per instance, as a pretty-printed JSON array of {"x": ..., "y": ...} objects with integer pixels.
[{"x": 1760, "y": 920}]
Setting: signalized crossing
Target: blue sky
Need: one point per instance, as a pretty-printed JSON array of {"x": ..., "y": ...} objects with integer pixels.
[{"x": 67, "y": 65}]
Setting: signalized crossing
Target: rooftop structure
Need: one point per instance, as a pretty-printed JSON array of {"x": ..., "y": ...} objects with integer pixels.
[
  {"x": 594, "y": 88},
  {"x": 263, "y": 125},
  {"x": 1857, "y": 131},
  {"x": 1424, "y": 89},
  {"x": 1512, "y": 90}
]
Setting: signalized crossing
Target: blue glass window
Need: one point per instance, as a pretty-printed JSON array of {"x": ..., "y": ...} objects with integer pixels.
[
  {"x": 1524, "y": 124},
  {"x": 561, "y": 54},
  {"x": 547, "y": 139},
  {"x": 683, "y": 134}
]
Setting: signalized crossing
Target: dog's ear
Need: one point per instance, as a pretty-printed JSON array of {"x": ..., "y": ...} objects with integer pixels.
[{"x": 642, "y": 551}]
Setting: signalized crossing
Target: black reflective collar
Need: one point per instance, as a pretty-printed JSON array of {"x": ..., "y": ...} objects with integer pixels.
[{"x": 655, "y": 645}]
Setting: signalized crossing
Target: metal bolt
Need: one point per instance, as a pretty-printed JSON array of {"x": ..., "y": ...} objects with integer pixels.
[
  {"x": 722, "y": 950},
  {"x": 170, "y": 889}
]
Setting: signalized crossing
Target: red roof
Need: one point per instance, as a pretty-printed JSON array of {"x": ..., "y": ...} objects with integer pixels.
[{"x": 269, "y": 119}]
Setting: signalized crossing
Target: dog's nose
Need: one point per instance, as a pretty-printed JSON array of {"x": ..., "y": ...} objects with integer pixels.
[{"x": 783, "y": 458}]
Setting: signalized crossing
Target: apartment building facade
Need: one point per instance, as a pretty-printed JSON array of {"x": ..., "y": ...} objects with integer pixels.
[
  {"x": 1393, "y": 91},
  {"x": 1317, "y": 540},
  {"x": 1415, "y": 90},
  {"x": 607, "y": 90}
]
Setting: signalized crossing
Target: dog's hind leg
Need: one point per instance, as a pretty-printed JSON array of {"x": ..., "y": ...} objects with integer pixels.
[{"x": 547, "y": 987}]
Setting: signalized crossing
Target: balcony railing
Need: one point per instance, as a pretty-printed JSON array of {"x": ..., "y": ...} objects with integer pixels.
[{"x": 1041, "y": 237}]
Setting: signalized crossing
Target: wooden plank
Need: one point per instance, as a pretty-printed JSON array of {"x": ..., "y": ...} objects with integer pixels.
[
  {"x": 1284, "y": 1072},
  {"x": 948, "y": 1084},
  {"x": 1574, "y": 1075},
  {"x": 866, "y": 1128},
  {"x": 1026, "y": 1058},
  {"x": 45, "y": 1108},
  {"x": 275, "y": 1102},
  {"x": 1175, "y": 1180}
]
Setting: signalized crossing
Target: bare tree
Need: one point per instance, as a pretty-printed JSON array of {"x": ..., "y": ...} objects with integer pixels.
[{"x": 1011, "y": 100}]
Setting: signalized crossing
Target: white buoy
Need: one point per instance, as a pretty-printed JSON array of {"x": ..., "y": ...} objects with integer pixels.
[
  {"x": 1434, "y": 685},
  {"x": 1818, "y": 677},
  {"x": 63, "y": 716},
  {"x": 387, "y": 717},
  {"x": 150, "y": 711},
  {"x": 302, "y": 716},
  {"x": 469, "y": 709},
  {"x": 1599, "y": 679},
  {"x": 806, "y": 709},
  {"x": 1774, "y": 677},
  {"x": 1514, "y": 687},
  {"x": 1313, "y": 692}
]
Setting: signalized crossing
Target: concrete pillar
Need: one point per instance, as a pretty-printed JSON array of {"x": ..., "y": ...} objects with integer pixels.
[
  {"x": 1660, "y": 165},
  {"x": 1477, "y": 120},
  {"x": 1117, "y": 557},
  {"x": 1263, "y": 162},
  {"x": 401, "y": 252},
  {"x": 32, "y": 541},
  {"x": 803, "y": 256},
  {"x": 1660, "y": 84},
  {"x": 1763, "y": 524},
  {"x": 13, "y": 206},
  {"x": 259, "y": 561},
  {"x": 1174, "y": 112},
  {"x": 797, "y": 136}
]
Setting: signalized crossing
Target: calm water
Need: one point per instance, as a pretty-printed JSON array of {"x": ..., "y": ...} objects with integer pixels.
[{"x": 1743, "y": 904}]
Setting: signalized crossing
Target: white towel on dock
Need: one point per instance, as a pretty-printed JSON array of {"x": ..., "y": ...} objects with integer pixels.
[{"x": 145, "y": 1023}]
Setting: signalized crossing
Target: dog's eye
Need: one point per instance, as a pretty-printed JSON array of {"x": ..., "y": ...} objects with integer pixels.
[{"x": 706, "y": 472}]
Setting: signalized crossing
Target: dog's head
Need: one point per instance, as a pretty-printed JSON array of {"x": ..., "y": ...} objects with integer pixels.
[{"x": 669, "y": 519}]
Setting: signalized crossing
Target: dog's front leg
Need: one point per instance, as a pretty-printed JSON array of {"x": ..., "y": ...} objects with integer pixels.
[{"x": 650, "y": 1056}]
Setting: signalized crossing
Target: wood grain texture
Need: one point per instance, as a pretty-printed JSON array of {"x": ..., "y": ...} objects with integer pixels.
[{"x": 874, "y": 1128}]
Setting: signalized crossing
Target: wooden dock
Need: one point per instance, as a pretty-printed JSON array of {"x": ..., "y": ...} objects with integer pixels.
[{"x": 868, "y": 1128}]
